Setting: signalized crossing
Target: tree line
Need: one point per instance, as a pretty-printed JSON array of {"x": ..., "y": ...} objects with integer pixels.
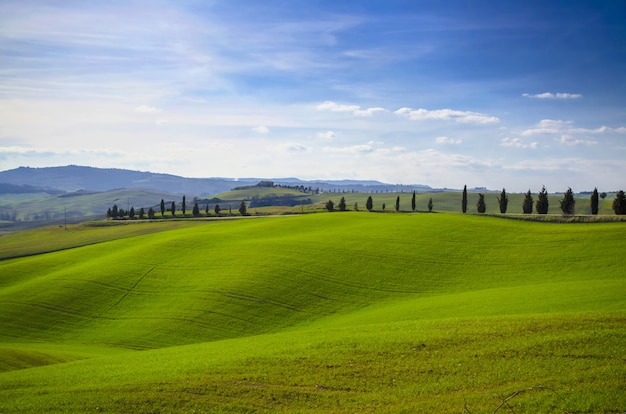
[
  {"x": 118, "y": 213},
  {"x": 540, "y": 205},
  {"x": 567, "y": 203}
]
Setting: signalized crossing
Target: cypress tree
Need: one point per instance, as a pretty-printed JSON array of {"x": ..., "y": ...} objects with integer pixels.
[
  {"x": 503, "y": 200},
  {"x": 481, "y": 207},
  {"x": 342, "y": 204},
  {"x": 196, "y": 210},
  {"x": 595, "y": 202},
  {"x": 217, "y": 209},
  {"x": 397, "y": 204},
  {"x": 369, "y": 204},
  {"x": 568, "y": 202},
  {"x": 242, "y": 208},
  {"x": 430, "y": 204},
  {"x": 464, "y": 200},
  {"x": 542, "y": 201},
  {"x": 142, "y": 213},
  {"x": 413, "y": 202},
  {"x": 184, "y": 206},
  {"x": 162, "y": 207},
  {"x": 619, "y": 203},
  {"x": 173, "y": 208},
  {"x": 131, "y": 213},
  {"x": 527, "y": 206},
  {"x": 150, "y": 213}
]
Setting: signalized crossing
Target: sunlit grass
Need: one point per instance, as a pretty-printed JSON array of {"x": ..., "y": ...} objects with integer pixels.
[{"x": 326, "y": 312}]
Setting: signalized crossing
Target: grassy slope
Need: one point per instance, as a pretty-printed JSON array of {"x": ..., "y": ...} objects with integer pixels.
[{"x": 360, "y": 294}]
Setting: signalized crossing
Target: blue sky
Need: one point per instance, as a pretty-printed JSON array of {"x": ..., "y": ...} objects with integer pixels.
[{"x": 445, "y": 93}]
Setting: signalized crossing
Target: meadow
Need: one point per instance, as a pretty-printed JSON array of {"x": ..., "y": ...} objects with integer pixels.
[{"x": 337, "y": 312}]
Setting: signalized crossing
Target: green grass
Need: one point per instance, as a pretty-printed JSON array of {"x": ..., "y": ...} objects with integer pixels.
[{"x": 316, "y": 313}]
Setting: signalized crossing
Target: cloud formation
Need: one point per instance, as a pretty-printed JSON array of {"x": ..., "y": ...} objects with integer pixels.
[
  {"x": 327, "y": 135},
  {"x": 353, "y": 109},
  {"x": 517, "y": 143},
  {"x": 464, "y": 117},
  {"x": 446, "y": 140},
  {"x": 550, "y": 95}
]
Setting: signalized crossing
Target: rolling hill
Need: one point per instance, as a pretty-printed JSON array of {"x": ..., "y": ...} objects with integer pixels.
[{"x": 327, "y": 312}]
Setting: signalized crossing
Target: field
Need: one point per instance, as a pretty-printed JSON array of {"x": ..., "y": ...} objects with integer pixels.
[{"x": 339, "y": 312}]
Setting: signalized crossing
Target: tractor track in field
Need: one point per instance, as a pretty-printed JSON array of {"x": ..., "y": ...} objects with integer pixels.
[{"x": 132, "y": 288}]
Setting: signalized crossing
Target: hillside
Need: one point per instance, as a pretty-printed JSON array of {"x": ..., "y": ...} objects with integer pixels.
[{"x": 259, "y": 299}]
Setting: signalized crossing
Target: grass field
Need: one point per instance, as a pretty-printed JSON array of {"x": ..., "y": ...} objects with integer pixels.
[{"x": 342, "y": 312}]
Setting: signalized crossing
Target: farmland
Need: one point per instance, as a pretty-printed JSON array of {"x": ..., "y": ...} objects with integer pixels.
[{"x": 330, "y": 312}]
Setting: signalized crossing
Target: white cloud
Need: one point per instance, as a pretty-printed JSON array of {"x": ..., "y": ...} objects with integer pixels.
[
  {"x": 354, "y": 109},
  {"x": 567, "y": 139},
  {"x": 550, "y": 95},
  {"x": 369, "y": 111},
  {"x": 464, "y": 117},
  {"x": 327, "y": 135},
  {"x": 517, "y": 143},
  {"x": 548, "y": 126},
  {"x": 568, "y": 135},
  {"x": 354, "y": 149},
  {"x": 261, "y": 130},
  {"x": 145, "y": 109},
  {"x": 446, "y": 140}
]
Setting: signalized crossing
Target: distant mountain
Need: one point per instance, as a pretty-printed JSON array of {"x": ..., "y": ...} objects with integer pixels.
[{"x": 76, "y": 178}]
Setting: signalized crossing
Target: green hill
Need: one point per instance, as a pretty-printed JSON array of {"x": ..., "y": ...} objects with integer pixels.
[{"x": 327, "y": 312}]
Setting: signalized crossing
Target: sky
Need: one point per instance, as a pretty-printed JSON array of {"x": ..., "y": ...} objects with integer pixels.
[{"x": 494, "y": 94}]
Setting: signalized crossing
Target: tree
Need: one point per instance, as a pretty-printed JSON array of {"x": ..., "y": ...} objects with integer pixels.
[
  {"x": 196, "y": 210},
  {"x": 162, "y": 207},
  {"x": 342, "y": 204},
  {"x": 503, "y": 200},
  {"x": 356, "y": 206},
  {"x": 109, "y": 213},
  {"x": 142, "y": 213},
  {"x": 242, "y": 208},
  {"x": 384, "y": 206},
  {"x": 568, "y": 202},
  {"x": 114, "y": 211},
  {"x": 595, "y": 202},
  {"x": 464, "y": 200},
  {"x": 397, "y": 204},
  {"x": 619, "y": 203},
  {"x": 527, "y": 205},
  {"x": 206, "y": 211},
  {"x": 173, "y": 208},
  {"x": 330, "y": 206},
  {"x": 217, "y": 209},
  {"x": 603, "y": 195},
  {"x": 430, "y": 204},
  {"x": 369, "y": 204},
  {"x": 184, "y": 206},
  {"x": 413, "y": 202},
  {"x": 481, "y": 207},
  {"x": 131, "y": 213},
  {"x": 150, "y": 213},
  {"x": 542, "y": 202}
]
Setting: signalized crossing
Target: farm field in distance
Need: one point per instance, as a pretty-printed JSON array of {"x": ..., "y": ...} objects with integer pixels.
[{"x": 336, "y": 312}]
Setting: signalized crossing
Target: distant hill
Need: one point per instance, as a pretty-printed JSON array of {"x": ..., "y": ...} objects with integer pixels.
[{"x": 76, "y": 178}]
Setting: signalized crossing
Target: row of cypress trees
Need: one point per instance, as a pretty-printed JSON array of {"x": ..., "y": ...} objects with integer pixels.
[{"x": 567, "y": 203}]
